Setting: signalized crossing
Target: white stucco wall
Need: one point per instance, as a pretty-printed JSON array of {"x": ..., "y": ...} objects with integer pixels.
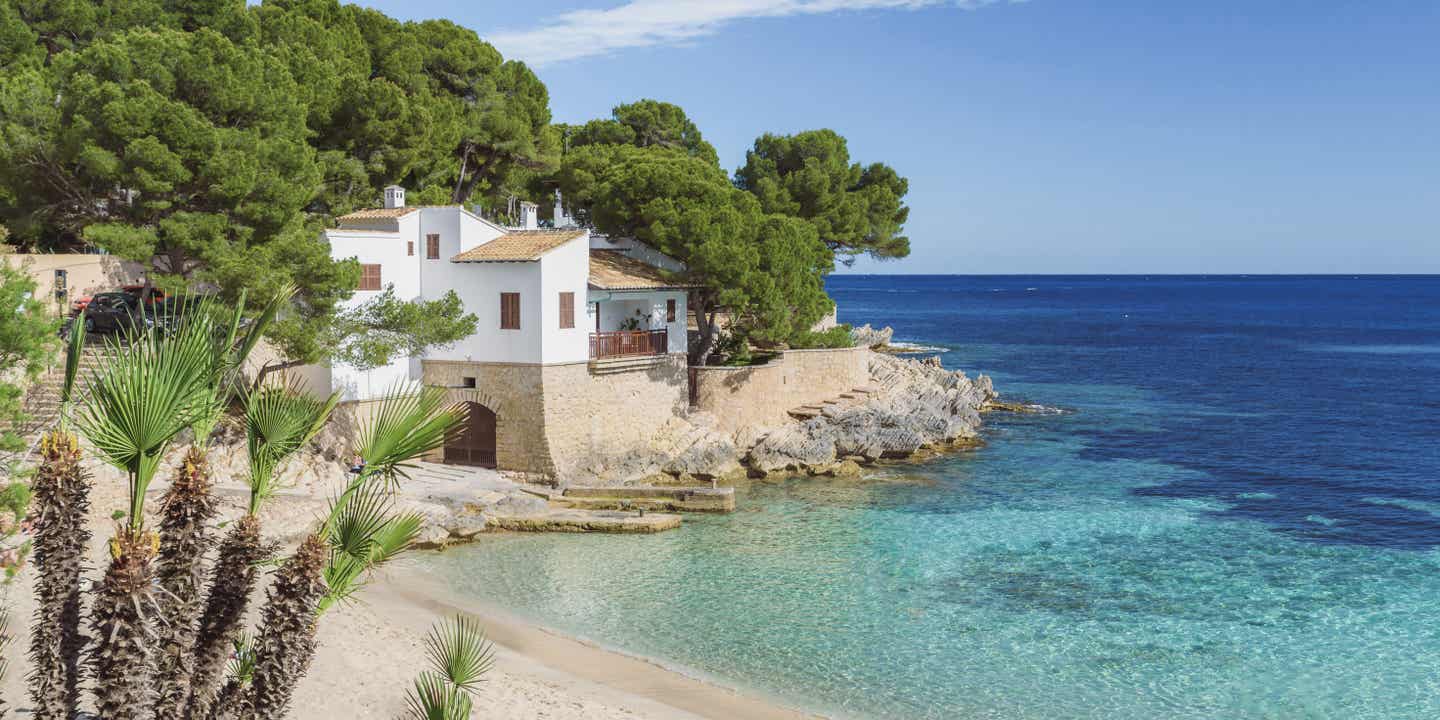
[
  {"x": 565, "y": 269},
  {"x": 397, "y": 270}
]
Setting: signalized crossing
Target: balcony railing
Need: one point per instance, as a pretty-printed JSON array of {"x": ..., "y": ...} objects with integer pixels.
[{"x": 628, "y": 343}]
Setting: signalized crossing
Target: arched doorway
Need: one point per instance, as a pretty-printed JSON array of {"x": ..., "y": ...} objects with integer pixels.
[{"x": 475, "y": 443}]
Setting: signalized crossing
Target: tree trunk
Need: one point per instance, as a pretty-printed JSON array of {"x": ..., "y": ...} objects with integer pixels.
[
  {"x": 59, "y": 506},
  {"x": 123, "y": 662},
  {"x": 231, "y": 581},
  {"x": 185, "y": 515},
  {"x": 705, "y": 325},
  {"x": 286, "y": 643},
  {"x": 455, "y": 196},
  {"x": 270, "y": 368}
]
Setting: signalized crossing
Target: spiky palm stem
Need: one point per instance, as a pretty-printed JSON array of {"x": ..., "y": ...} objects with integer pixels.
[
  {"x": 123, "y": 621},
  {"x": 60, "y": 504},
  {"x": 286, "y": 643},
  {"x": 188, "y": 508},
  {"x": 232, "y": 579}
]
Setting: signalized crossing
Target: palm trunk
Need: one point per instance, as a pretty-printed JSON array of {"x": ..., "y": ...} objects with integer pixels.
[
  {"x": 232, "y": 579},
  {"x": 286, "y": 643},
  {"x": 123, "y": 660},
  {"x": 188, "y": 508},
  {"x": 60, "y": 504}
]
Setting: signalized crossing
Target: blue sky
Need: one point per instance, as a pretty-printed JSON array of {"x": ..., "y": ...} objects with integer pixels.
[{"x": 1050, "y": 136}]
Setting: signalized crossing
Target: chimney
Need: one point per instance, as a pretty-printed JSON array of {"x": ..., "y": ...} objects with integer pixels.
[
  {"x": 529, "y": 215},
  {"x": 394, "y": 197},
  {"x": 561, "y": 221}
]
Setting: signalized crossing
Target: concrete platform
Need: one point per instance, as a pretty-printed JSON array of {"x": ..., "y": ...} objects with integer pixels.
[
  {"x": 586, "y": 521},
  {"x": 650, "y": 498}
]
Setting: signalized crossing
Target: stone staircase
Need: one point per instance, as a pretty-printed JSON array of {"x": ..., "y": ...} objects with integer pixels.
[
  {"x": 854, "y": 396},
  {"x": 42, "y": 399}
]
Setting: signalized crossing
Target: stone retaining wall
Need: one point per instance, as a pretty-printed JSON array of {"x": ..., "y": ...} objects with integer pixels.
[
  {"x": 557, "y": 420},
  {"x": 761, "y": 396}
]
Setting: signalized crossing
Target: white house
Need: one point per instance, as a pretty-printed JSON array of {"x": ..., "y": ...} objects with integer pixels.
[{"x": 562, "y": 318}]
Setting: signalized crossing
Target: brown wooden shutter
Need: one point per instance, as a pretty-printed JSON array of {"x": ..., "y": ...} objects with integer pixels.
[
  {"x": 432, "y": 247},
  {"x": 509, "y": 311},
  {"x": 567, "y": 310},
  {"x": 669, "y": 311},
  {"x": 369, "y": 277},
  {"x": 410, "y": 248}
]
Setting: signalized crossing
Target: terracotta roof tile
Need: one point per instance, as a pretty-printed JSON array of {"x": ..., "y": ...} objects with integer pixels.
[
  {"x": 376, "y": 214},
  {"x": 518, "y": 246},
  {"x": 612, "y": 270}
]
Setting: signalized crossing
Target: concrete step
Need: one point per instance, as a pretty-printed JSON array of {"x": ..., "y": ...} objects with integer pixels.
[
  {"x": 572, "y": 520},
  {"x": 649, "y": 497}
]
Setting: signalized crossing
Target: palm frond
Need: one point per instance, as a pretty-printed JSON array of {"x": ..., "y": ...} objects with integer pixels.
[
  {"x": 242, "y": 664},
  {"x": 279, "y": 420},
  {"x": 363, "y": 534},
  {"x": 459, "y": 652},
  {"x": 74, "y": 350},
  {"x": 262, "y": 322},
  {"x": 409, "y": 422},
  {"x": 140, "y": 396},
  {"x": 434, "y": 698}
]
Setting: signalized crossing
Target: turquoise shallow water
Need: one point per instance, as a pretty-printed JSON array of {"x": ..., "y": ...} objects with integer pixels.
[{"x": 1180, "y": 544}]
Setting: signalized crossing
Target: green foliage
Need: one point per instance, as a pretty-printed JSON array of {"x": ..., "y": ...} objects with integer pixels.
[
  {"x": 766, "y": 270},
  {"x": 140, "y": 396},
  {"x": 407, "y": 423},
  {"x": 15, "y": 498},
  {"x": 855, "y": 210},
  {"x": 363, "y": 533},
  {"x": 241, "y": 667},
  {"x": 385, "y": 328},
  {"x": 213, "y": 139},
  {"x": 27, "y": 343},
  {"x": 459, "y": 656},
  {"x": 836, "y": 337},
  {"x": 279, "y": 420}
]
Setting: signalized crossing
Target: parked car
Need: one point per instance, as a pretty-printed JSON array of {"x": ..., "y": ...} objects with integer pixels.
[{"x": 155, "y": 295}]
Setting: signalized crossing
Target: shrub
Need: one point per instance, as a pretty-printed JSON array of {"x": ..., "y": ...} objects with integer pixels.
[{"x": 836, "y": 337}]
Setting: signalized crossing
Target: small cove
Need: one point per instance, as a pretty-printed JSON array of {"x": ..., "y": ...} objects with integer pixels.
[{"x": 1226, "y": 524}]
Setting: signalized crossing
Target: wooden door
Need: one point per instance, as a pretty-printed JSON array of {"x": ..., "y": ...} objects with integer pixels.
[{"x": 475, "y": 443}]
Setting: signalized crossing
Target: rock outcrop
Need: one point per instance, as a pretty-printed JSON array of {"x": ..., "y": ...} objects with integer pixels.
[
  {"x": 866, "y": 336},
  {"x": 911, "y": 405},
  {"x": 915, "y": 405}
]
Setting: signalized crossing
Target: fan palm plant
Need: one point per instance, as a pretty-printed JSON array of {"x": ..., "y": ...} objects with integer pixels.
[
  {"x": 142, "y": 395},
  {"x": 188, "y": 506},
  {"x": 360, "y": 533},
  {"x": 279, "y": 420},
  {"x": 459, "y": 657},
  {"x": 60, "y": 503}
]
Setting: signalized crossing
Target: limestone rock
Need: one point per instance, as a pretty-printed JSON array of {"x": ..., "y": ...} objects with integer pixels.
[{"x": 866, "y": 336}]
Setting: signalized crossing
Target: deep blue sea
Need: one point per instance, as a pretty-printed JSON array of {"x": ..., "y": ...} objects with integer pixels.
[{"x": 1237, "y": 516}]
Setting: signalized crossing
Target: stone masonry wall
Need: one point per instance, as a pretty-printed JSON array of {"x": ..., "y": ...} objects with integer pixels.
[
  {"x": 515, "y": 393},
  {"x": 561, "y": 420},
  {"x": 594, "y": 415},
  {"x": 762, "y": 396}
]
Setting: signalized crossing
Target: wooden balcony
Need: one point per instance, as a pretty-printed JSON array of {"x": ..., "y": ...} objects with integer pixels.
[{"x": 628, "y": 343}]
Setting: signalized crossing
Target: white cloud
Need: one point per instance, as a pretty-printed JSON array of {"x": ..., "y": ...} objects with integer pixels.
[{"x": 642, "y": 23}]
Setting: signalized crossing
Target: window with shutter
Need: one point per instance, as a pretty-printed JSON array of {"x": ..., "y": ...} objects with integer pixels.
[
  {"x": 567, "y": 310},
  {"x": 509, "y": 311},
  {"x": 369, "y": 277},
  {"x": 432, "y": 247},
  {"x": 410, "y": 248},
  {"x": 669, "y": 311}
]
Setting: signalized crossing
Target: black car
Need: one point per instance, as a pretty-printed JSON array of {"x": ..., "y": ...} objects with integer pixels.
[
  {"x": 111, "y": 311},
  {"x": 120, "y": 311}
]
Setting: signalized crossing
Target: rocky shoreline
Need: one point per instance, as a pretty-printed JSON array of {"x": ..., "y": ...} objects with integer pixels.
[{"x": 913, "y": 408}]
